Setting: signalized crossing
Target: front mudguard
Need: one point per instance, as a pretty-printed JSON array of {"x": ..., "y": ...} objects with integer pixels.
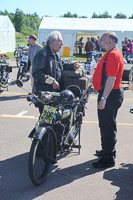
[{"x": 38, "y": 133}]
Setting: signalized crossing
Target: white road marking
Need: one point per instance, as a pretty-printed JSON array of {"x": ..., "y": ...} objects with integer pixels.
[
  {"x": 16, "y": 116},
  {"x": 33, "y": 117},
  {"x": 21, "y": 113}
]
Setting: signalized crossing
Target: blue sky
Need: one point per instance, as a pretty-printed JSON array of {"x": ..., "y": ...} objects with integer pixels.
[{"x": 56, "y": 8}]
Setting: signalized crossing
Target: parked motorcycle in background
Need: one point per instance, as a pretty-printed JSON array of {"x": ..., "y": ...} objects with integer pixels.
[
  {"x": 22, "y": 73},
  {"x": 18, "y": 54},
  {"x": 5, "y": 70}
]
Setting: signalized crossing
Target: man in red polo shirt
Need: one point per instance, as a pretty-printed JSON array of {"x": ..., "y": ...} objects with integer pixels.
[{"x": 107, "y": 81}]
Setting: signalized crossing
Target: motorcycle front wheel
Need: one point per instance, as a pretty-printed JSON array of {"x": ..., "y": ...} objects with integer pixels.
[
  {"x": 41, "y": 156},
  {"x": 22, "y": 75}
]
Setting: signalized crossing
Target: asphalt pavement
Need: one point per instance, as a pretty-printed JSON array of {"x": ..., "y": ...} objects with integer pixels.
[{"x": 73, "y": 177}]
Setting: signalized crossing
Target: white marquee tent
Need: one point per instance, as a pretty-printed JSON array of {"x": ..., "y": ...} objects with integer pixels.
[
  {"x": 7, "y": 35},
  {"x": 71, "y": 27}
]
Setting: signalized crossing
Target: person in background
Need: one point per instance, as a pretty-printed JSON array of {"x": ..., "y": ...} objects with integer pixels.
[
  {"x": 107, "y": 81},
  {"x": 126, "y": 55},
  {"x": 124, "y": 44},
  {"x": 80, "y": 45},
  {"x": 34, "y": 47},
  {"x": 89, "y": 48},
  {"x": 48, "y": 66},
  {"x": 130, "y": 48},
  {"x": 97, "y": 44}
]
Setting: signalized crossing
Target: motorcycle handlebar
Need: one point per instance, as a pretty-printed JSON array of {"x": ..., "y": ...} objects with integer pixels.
[
  {"x": 52, "y": 97},
  {"x": 35, "y": 99},
  {"x": 47, "y": 99}
]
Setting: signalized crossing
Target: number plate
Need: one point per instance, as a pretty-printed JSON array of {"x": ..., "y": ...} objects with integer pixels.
[
  {"x": 25, "y": 59},
  {"x": 48, "y": 114}
]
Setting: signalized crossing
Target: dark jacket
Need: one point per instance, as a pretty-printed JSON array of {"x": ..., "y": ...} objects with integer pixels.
[
  {"x": 88, "y": 46},
  {"x": 44, "y": 65}
]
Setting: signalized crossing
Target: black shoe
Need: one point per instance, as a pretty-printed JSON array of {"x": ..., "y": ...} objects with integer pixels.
[
  {"x": 99, "y": 153},
  {"x": 104, "y": 163}
]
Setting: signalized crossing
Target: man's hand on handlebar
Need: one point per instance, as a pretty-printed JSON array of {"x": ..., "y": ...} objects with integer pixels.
[{"x": 56, "y": 85}]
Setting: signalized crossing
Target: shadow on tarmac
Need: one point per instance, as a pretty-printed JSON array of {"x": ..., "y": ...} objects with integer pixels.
[
  {"x": 123, "y": 178},
  {"x": 15, "y": 97},
  {"x": 15, "y": 183}
]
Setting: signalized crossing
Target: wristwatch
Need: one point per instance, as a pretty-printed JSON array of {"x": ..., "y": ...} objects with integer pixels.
[{"x": 102, "y": 98}]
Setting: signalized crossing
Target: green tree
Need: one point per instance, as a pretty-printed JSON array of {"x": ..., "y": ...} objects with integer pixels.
[
  {"x": 95, "y": 15},
  {"x": 32, "y": 23},
  {"x": 36, "y": 19},
  {"x": 11, "y": 16},
  {"x": 18, "y": 20},
  {"x": 105, "y": 15},
  {"x": 82, "y": 17},
  {"x": 120, "y": 16},
  {"x": 131, "y": 17},
  {"x": 24, "y": 23},
  {"x": 6, "y": 12},
  {"x": 68, "y": 14}
]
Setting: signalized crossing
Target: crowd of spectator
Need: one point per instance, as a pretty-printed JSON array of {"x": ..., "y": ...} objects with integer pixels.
[
  {"x": 127, "y": 48},
  {"x": 91, "y": 45}
]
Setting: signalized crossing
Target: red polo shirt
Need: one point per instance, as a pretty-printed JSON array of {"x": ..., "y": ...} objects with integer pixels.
[{"x": 114, "y": 67}]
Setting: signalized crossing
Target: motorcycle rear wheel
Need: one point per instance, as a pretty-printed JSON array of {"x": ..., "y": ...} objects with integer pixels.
[
  {"x": 41, "y": 157},
  {"x": 76, "y": 136},
  {"x": 77, "y": 133}
]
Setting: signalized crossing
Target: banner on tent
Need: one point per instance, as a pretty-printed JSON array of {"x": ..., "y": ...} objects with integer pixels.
[{"x": 66, "y": 51}]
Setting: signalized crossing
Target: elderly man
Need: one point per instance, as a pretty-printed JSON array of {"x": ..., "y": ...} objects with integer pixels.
[
  {"x": 107, "y": 81},
  {"x": 34, "y": 47},
  {"x": 48, "y": 66}
]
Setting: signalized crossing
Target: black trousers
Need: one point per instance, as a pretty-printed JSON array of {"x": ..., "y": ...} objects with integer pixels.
[{"x": 107, "y": 120}]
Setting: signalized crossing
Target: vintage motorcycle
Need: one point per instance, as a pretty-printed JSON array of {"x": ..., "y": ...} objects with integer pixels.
[
  {"x": 5, "y": 70},
  {"x": 57, "y": 129},
  {"x": 18, "y": 54},
  {"x": 22, "y": 73}
]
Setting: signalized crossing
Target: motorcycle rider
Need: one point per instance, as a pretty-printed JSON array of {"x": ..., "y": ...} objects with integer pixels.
[{"x": 48, "y": 66}]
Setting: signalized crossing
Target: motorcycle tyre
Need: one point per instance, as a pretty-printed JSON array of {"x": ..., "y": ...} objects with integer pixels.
[
  {"x": 48, "y": 141},
  {"x": 26, "y": 78},
  {"x": 19, "y": 74},
  {"x": 22, "y": 77},
  {"x": 18, "y": 61},
  {"x": 77, "y": 136},
  {"x": 16, "y": 56}
]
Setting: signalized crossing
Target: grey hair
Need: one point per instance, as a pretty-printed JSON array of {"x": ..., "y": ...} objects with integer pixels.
[
  {"x": 113, "y": 37},
  {"x": 54, "y": 35}
]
